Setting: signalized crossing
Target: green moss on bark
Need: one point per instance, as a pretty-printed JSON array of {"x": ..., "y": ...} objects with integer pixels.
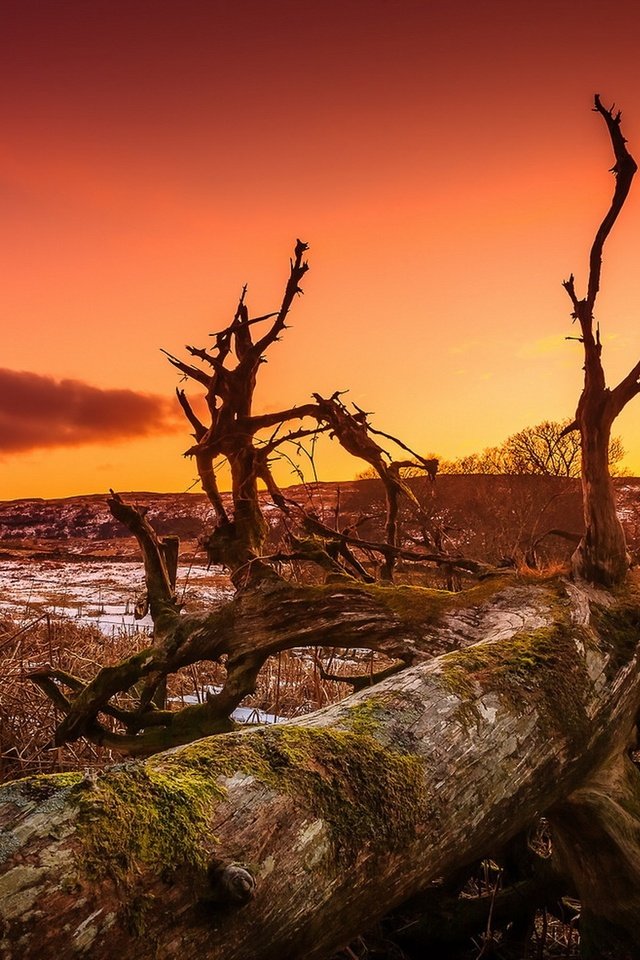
[
  {"x": 155, "y": 816},
  {"x": 412, "y": 605},
  {"x": 423, "y": 605},
  {"x": 42, "y": 786},
  {"x": 364, "y": 717},
  {"x": 542, "y": 662},
  {"x": 364, "y": 791},
  {"x": 136, "y": 815}
]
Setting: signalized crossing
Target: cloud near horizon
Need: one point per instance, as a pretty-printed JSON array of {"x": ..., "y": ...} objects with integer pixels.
[{"x": 37, "y": 412}]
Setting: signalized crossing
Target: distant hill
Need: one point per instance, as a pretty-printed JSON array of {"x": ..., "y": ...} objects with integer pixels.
[{"x": 488, "y": 517}]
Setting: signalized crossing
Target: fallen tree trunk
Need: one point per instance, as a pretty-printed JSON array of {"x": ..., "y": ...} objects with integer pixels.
[{"x": 289, "y": 840}]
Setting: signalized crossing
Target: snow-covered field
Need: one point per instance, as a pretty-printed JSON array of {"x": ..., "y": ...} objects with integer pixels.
[
  {"x": 100, "y": 592},
  {"x": 104, "y": 593}
]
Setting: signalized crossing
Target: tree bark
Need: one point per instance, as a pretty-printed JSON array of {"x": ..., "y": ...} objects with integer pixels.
[
  {"x": 406, "y": 625},
  {"x": 601, "y": 556},
  {"x": 289, "y": 840},
  {"x": 597, "y": 836}
]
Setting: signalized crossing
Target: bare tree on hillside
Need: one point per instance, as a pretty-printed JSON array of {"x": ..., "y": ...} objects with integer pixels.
[
  {"x": 228, "y": 374},
  {"x": 546, "y": 449}
]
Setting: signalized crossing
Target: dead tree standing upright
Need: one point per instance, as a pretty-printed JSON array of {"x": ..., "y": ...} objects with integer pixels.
[{"x": 601, "y": 556}]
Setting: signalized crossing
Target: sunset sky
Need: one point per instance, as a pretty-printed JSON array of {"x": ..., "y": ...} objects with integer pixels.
[{"x": 441, "y": 160}]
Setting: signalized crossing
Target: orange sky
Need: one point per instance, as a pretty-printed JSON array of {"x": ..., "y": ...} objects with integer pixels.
[{"x": 441, "y": 161}]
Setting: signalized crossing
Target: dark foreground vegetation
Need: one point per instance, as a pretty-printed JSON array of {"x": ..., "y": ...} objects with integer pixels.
[{"x": 484, "y": 708}]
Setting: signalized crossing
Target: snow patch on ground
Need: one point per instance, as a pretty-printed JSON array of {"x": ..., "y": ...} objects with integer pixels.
[{"x": 102, "y": 593}]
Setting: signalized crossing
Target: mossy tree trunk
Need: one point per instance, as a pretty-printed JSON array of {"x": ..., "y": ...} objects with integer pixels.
[
  {"x": 406, "y": 625},
  {"x": 289, "y": 840}
]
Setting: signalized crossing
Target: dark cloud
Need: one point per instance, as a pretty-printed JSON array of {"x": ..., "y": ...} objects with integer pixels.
[{"x": 37, "y": 411}]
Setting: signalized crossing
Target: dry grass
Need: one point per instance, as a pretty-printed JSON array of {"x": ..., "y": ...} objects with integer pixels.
[
  {"x": 547, "y": 571},
  {"x": 27, "y": 718},
  {"x": 289, "y": 685},
  {"x": 551, "y": 940},
  {"x": 553, "y": 936}
]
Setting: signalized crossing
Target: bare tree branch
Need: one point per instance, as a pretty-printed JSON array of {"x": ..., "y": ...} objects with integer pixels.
[
  {"x": 298, "y": 269},
  {"x": 265, "y": 420},
  {"x": 193, "y": 372},
  {"x": 623, "y": 170},
  {"x": 601, "y": 556},
  {"x": 625, "y": 391},
  {"x": 199, "y": 428},
  {"x": 247, "y": 323},
  {"x": 161, "y": 595}
]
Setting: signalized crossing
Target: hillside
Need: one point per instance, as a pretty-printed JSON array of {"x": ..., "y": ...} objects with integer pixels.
[{"x": 488, "y": 517}]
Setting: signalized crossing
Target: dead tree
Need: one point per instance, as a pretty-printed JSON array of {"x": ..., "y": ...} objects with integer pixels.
[
  {"x": 353, "y": 431},
  {"x": 237, "y": 541},
  {"x": 601, "y": 556},
  {"x": 511, "y": 699},
  {"x": 228, "y": 373}
]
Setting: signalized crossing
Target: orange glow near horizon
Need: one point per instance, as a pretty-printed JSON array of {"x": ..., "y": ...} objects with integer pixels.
[{"x": 442, "y": 163}]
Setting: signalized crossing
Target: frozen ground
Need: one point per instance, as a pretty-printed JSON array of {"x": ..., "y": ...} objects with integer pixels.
[
  {"x": 100, "y": 592},
  {"x": 104, "y": 593}
]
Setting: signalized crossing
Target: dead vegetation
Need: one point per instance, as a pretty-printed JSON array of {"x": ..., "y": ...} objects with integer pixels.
[{"x": 290, "y": 684}]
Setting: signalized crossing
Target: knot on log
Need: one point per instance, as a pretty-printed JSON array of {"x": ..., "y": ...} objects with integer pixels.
[
  {"x": 230, "y": 883},
  {"x": 90, "y": 779}
]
